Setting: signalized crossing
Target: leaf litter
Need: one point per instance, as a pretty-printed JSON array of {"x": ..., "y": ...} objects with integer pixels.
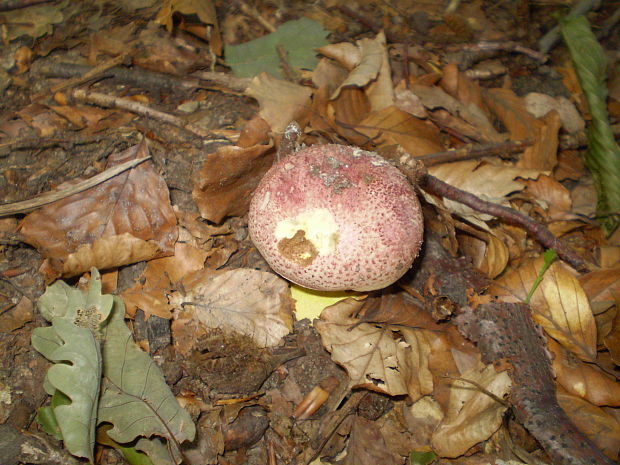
[{"x": 446, "y": 362}]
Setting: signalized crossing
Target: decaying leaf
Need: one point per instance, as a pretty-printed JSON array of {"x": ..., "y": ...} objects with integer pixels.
[
  {"x": 602, "y": 288},
  {"x": 262, "y": 310},
  {"x": 473, "y": 415},
  {"x": 123, "y": 220},
  {"x": 376, "y": 357},
  {"x": 559, "y": 304}
]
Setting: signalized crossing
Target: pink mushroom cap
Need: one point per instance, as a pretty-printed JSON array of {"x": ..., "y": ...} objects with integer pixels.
[{"x": 335, "y": 217}]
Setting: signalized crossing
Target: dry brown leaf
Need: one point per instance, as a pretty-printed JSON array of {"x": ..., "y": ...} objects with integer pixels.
[
  {"x": 612, "y": 339},
  {"x": 540, "y": 104},
  {"x": 406, "y": 100},
  {"x": 434, "y": 98},
  {"x": 487, "y": 181},
  {"x": 363, "y": 433},
  {"x": 255, "y": 303},
  {"x": 371, "y": 70},
  {"x": 206, "y": 29},
  {"x": 150, "y": 293},
  {"x": 473, "y": 416},
  {"x": 602, "y": 288},
  {"x": 582, "y": 379},
  {"x": 124, "y": 220},
  {"x": 510, "y": 109},
  {"x": 397, "y": 309},
  {"x": 391, "y": 126},
  {"x": 280, "y": 101},
  {"x": 345, "y": 53},
  {"x": 489, "y": 254},
  {"x": 601, "y": 427},
  {"x": 559, "y": 304},
  {"x": 374, "y": 357},
  {"x": 17, "y": 316},
  {"x": 551, "y": 195},
  {"x": 226, "y": 180}
]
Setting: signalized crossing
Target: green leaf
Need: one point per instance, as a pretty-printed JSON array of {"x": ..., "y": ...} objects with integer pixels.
[
  {"x": 46, "y": 417},
  {"x": 71, "y": 343},
  {"x": 135, "y": 396},
  {"x": 421, "y": 458},
  {"x": 603, "y": 155},
  {"x": 548, "y": 258},
  {"x": 88, "y": 309},
  {"x": 131, "y": 454},
  {"x": 76, "y": 373},
  {"x": 299, "y": 38}
]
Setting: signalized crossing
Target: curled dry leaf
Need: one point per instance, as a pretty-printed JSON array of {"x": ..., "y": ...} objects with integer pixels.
[
  {"x": 487, "y": 181},
  {"x": 582, "y": 379},
  {"x": 602, "y": 288},
  {"x": 489, "y": 254},
  {"x": 390, "y": 126},
  {"x": 226, "y": 180},
  {"x": 552, "y": 195},
  {"x": 510, "y": 109},
  {"x": 123, "y": 220},
  {"x": 150, "y": 292},
  {"x": 280, "y": 101},
  {"x": 375, "y": 357},
  {"x": 601, "y": 427},
  {"x": 473, "y": 416},
  {"x": 250, "y": 302},
  {"x": 559, "y": 304}
]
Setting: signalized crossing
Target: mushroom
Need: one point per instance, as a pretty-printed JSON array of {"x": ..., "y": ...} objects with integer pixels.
[{"x": 334, "y": 217}]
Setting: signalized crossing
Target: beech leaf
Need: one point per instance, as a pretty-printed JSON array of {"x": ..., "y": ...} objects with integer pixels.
[
  {"x": 262, "y": 310},
  {"x": 559, "y": 304}
]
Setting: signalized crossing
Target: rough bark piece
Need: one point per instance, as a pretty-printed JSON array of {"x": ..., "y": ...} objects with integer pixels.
[{"x": 506, "y": 333}]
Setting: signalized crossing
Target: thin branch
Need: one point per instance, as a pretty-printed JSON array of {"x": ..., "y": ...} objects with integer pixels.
[
  {"x": 46, "y": 198},
  {"x": 509, "y": 215},
  {"x": 132, "y": 106}
]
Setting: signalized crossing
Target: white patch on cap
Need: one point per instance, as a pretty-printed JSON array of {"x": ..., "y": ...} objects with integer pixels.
[{"x": 319, "y": 227}]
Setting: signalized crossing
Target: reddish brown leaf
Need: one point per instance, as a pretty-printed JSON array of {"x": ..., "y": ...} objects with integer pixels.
[
  {"x": 227, "y": 179},
  {"x": 124, "y": 220}
]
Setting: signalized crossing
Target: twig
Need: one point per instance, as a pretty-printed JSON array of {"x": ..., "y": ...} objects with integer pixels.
[
  {"x": 550, "y": 38},
  {"x": 511, "y": 216},
  {"x": 141, "y": 78},
  {"x": 507, "y": 336},
  {"x": 332, "y": 425},
  {"x": 255, "y": 15},
  {"x": 8, "y": 5},
  {"x": 469, "y": 152},
  {"x": 96, "y": 71},
  {"x": 509, "y": 46},
  {"x": 140, "y": 109},
  {"x": 52, "y": 196}
]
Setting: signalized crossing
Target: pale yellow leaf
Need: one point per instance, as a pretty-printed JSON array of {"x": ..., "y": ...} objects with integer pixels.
[
  {"x": 559, "y": 304},
  {"x": 373, "y": 355},
  {"x": 487, "y": 181},
  {"x": 250, "y": 302},
  {"x": 472, "y": 416}
]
